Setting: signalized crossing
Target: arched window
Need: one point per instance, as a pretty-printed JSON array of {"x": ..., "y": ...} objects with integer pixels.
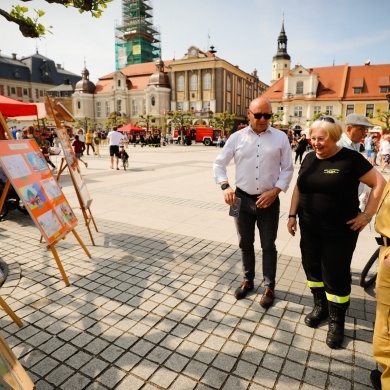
[
  {"x": 207, "y": 81},
  {"x": 228, "y": 83},
  {"x": 299, "y": 88},
  {"x": 180, "y": 83},
  {"x": 119, "y": 83},
  {"x": 78, "y": 104},
  {"x": 193, "y": 82}
]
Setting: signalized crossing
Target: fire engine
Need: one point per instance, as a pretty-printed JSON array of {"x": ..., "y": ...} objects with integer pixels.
[{"x": 205, "y": 134}]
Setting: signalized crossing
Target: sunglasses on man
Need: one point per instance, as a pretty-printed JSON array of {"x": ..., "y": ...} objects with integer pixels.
[{"x": 259, "y": 115}]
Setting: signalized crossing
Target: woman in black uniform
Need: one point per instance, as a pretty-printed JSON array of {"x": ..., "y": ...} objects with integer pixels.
[{"x": 325, "y": 199}]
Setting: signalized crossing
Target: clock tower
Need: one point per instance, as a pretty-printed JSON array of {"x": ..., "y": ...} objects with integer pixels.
[{"x": 281, "y": 62}]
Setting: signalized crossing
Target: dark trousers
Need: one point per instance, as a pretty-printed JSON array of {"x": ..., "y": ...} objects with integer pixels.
[
  {"x": 327, "y": 248},
  {"x": 298, "y": 154},
  {"x": 90, "y": 145},
  {"x": 267, "y": 221}
]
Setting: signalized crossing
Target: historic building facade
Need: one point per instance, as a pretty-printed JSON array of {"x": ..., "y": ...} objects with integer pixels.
[
  {"x": 28, "y": 78},
  {"x": 199, "y": 82},
  {"x": 300, "y": 93}
]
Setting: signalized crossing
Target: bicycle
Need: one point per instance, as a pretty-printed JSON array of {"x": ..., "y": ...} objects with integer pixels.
[{"x": 370, "y": 271}]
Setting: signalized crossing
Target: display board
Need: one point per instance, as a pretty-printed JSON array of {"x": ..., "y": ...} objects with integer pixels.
[
  {"x": 30, "y": 176},
  {"x": 74, "y": 167}
]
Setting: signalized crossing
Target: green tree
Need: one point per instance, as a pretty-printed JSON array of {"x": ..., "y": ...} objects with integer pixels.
[
  {"x": 30, "y": 27},
  {"x": 115, "y": 119},
  {"x": 276, "y": 117},
  {"x": 384, "y": 117},
  {"x": 181, "y": 120},
  {"x": 223, "y": 121},
  {"x": 147, "y": 121}
]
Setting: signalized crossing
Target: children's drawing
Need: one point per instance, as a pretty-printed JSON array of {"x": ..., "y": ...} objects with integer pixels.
[{"x": 33, "y": 196}]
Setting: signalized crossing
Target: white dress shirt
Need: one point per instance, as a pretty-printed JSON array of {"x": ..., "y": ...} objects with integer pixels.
[{"x": 263, "y": 161}]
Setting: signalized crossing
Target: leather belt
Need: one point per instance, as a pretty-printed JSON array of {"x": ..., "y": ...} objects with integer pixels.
[
  {"x": 240, "y": 191},
  {"x": 383, "y": 240}
]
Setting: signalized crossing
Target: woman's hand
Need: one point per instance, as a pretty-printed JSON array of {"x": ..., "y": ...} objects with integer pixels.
[
  {"x": 292, "y": 226},
  {"x": 359, "y": 222}
]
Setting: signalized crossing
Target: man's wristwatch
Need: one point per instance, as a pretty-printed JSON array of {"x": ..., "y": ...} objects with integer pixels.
[{"x": 224, "y": 186}]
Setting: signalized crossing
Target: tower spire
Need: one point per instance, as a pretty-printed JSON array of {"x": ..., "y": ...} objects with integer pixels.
[{"x": 281, "y": 61}]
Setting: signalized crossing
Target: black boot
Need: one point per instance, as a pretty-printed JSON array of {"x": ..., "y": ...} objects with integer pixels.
[
  {"x": 335, "y": 336},
  {"x": 320, "y": 310}
]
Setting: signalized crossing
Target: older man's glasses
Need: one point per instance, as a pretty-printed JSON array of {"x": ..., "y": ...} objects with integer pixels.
[
  {"x": 326, "y": 119},
  {"x": 259, "y": 115}
]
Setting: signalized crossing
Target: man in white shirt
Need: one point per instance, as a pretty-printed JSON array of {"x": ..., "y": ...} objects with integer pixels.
[
  {"x": 264, "y": 168},
  {"x": 114, "y": 138}
]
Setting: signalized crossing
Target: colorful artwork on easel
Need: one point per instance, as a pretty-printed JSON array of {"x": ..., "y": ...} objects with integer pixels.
[{"x": 27, "y": 170}]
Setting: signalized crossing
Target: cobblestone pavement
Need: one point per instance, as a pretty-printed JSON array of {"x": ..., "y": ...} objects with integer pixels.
[
  {"x": 156, "y": 311},
  {"x": 153, "y": 309}
]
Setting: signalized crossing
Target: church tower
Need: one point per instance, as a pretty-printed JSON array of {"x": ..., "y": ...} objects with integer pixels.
[{"x": 281, "y": 62}]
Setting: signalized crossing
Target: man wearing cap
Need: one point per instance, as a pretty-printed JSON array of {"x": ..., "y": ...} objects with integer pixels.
[{"x": 356, "y": 127}]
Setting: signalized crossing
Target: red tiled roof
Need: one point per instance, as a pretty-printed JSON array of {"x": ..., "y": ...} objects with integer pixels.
[{"x": 338, "y": 82}]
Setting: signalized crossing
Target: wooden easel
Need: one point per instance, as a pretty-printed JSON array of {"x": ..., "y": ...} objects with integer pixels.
[
  {"x": 53, "y": 250},
  {"x": 11, "y": 313},
  {"x": 85, "y": 209},
  {"x": 87, "y": 213}
]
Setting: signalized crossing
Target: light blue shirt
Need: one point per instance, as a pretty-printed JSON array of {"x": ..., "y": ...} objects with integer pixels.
[
  {"x": 345, "y": 142},
  {"x": 263, "y": 161}
]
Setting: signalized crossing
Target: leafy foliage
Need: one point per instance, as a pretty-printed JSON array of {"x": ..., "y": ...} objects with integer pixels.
[
  {"x": 115, "y": 119},
  {"x": 181, "y": 120},
  {"x": 384, "y": 117},
  {"x": 30, "y": 27},
  {"x": 223, "y": 121}
]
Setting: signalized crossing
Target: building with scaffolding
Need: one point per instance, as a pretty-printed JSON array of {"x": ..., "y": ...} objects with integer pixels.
[{"x": 136, "y": 40}]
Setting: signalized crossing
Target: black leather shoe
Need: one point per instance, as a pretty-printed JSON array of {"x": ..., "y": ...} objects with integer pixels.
[
  {"x": 244, "y": 288},
  {"x": 375, "y": 377},
  {"x": 267, "y": 298}
]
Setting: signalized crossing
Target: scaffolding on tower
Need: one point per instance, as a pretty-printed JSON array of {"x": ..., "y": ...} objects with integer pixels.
[{"x": 136, "y": 39}]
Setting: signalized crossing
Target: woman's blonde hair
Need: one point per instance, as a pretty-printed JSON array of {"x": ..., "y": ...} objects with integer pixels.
[{"x": 330, "y": 125}]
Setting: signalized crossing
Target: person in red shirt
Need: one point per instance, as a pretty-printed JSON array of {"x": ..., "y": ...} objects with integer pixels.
[{"x": 78, "y": 149}]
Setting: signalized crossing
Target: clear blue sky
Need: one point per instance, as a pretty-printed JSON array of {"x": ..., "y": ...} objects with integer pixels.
[{"x": 244, "y": 33}]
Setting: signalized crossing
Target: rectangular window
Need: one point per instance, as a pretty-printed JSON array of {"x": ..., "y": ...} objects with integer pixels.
[
  {"x": 317, "y": 110},
  {"x": 41, "y": 93},
  {"x": 206, "y": 106},
  {"x": 329, "y": 110},
  {"x": 298, "y": 111},
  {"x": 98, "y": 109},
  {"x": 350, "y": 109},
  {"x": 119, "y": 105},
  {"x": 179, "y": 106},
  {"x": 369, "y": 110},
  {"x": 279, "y": 110},
  {"x": 229, "y": 107},
  {"x": 384, "y": 89},
  {"x": 25, "y": 93},
  {"x": 107, "y": 108},
  {"x": 13, "y": 90},
  {"x": 134, "y": 108},
  {"x": 238, "y": 109},
  {"x": 357, "y": 90}
]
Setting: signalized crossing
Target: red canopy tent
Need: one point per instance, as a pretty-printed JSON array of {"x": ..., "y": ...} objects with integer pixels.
[
  {"x": 12, "y": 108},
  {"x": 129, "y": 128}
]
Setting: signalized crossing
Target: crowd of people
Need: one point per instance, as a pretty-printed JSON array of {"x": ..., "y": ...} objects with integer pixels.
[{"x": 325, "y": 205}]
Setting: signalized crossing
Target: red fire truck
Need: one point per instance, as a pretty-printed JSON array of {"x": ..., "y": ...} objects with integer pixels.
[{"x": 205, "y": 134}]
